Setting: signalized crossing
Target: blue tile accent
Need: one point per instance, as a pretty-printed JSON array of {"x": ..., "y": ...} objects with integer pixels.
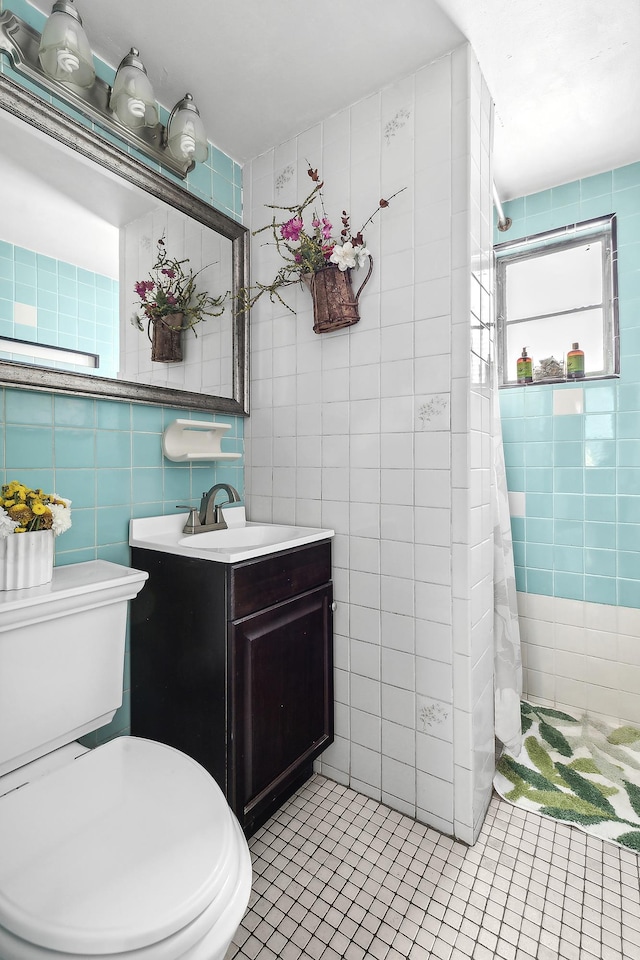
[
  {"x": 513, "y": 430},
  {"x": 539, "y": 555},
  {"x": 514, "y": 454},
  {"x": 113, "y": 524},
  {"x": 149, "y": 419},
  {"x": 629, "y": 509},
  {"x": 539, "y": 480},
  {"x": 565, "y": 194},
  {"x": 538, "y": 454},
  {"x": 569, "y": 585},
  {"x": 568, "y": 559},
  {"x": 28, "y": 448},
  {"x": 31, "y": 408},
  {"x": 74, "y": 448},
  {"x": 569, "y": 532},
  {"x": 82, "y": 534},
  {"x": 113, "y": 448},
  {"x": 568, "y": 480},
  {"x": 597, "y": 186},
  {"x": 599, "y": 426},
  {"x": 539, "y": 505},
  {"x": 113, "y": 416},
  {"x": 147, "y": 485},
  {"x": 600, "y": 589},
  {"x": 539, "y": 428},
  {"x": 568, "y": 506},
  {"x": 595, "y": 457},
  {"x": 114, "y": 487},
  {"x": 539, "y": 530},
  {"x": 600, "y": 563},
  {"x": 74, "y": 411},
  {"x": 539, "y": 581},
  {"x": 627, "y": 593},
  {"x": 518, "y": 553},
  {"x": 511, "y": 404},
  {"x": 628, "y": 536},
  {"x": 569, "y": 427},
  {"x": 600, "y": 535},
  {"x": 600, "y": 481},
  {"x": 629, "y": 565},
  {"x": 567, "y": 454},
  {"x": 600, "y": 508},
  {"x": 628, "y": 481},
  {"x": 518, "y": 528},
  {"x": 515, "y": 478}
]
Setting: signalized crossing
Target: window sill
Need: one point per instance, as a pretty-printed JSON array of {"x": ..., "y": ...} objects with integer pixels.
[{"x": 551, "y": 381}]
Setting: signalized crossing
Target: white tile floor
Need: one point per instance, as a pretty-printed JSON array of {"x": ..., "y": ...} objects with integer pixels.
[{"x": 339, "y": 875}]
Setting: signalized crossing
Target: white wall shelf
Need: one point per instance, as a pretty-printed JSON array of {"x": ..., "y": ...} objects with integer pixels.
[{"x": 195, "y": 440}]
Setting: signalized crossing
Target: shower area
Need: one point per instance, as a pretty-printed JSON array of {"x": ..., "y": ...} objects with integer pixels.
[{"x": 572, "y": 453}]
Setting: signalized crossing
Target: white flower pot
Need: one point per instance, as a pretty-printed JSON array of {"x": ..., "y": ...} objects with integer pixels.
[{"x": 26, "y": 560}]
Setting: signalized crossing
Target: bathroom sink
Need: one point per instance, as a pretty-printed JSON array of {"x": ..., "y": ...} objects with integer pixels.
[
  {"x": 242, "y": 540},
  {"x": 238, "y": 538}
]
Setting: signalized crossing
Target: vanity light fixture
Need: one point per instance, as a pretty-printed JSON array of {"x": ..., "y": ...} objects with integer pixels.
[
  {"x": 60, "y": 62},
  {"x": 185, "y": 137},
  {"x": 132, "y": 98},
  {"x": 64, "y": 50}
]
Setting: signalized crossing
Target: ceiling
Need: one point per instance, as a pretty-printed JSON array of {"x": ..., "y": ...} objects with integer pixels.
[{"x": 565, "y": 76}]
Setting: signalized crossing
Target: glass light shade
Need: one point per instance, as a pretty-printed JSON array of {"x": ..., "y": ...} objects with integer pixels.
[
  {"x": 132, "y": 98},
  {"x": 64, "y": 50},
  {"x": 186, "y": 137}
]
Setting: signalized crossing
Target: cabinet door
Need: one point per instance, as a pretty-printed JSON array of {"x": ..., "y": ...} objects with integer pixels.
[
  {"x": 282, "y": 698},
  {"x": 179, "y": 658}
]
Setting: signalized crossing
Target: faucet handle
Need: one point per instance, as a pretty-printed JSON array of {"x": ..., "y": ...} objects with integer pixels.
[{"x": 193, "y": 520}]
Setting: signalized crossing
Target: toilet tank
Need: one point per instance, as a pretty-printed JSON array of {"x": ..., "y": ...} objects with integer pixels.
[{"x": 62, "y": 657}]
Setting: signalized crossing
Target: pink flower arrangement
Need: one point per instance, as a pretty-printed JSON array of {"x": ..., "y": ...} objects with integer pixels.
[
  {"x": 305, "y": 252},
  {"x": 171, "y": 289}
]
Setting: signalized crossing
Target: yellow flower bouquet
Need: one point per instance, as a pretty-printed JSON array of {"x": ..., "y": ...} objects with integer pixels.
[{"x": 23, "y": 510}]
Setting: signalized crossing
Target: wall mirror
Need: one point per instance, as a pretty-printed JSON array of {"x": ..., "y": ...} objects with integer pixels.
[{"x": 80, "y": 225}]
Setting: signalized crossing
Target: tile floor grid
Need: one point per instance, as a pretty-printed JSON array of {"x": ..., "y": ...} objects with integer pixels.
[{"x": 338, "y": 875}]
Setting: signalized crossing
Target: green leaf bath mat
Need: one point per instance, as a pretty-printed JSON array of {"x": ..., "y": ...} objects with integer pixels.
[{"x": 578, "y": 770}]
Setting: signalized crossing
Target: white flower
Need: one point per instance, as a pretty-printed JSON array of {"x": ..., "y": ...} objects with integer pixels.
[
  {"x": 361, "y": 254},
  {"x": 7, "y": 525},
  {"x": 61, "y": 517},
  {"x": 344, "y": 256}
]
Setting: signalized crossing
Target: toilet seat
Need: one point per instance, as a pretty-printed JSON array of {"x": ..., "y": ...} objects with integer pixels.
[{"x": 131, "y": 847}]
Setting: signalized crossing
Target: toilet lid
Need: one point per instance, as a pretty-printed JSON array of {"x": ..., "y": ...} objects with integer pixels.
[{"x": 117, "y": 850}]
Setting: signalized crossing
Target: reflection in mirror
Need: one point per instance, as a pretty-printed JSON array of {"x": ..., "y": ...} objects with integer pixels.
[{"x": 79, "y": 228}]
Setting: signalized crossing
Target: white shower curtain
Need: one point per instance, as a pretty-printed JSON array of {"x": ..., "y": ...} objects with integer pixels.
[{"x": 506, "y": 631}]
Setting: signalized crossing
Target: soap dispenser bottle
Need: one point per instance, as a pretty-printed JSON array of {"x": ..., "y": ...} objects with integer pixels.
[
  {"x": 575, "y": 363},
  {"x": 524, "y": 368}
]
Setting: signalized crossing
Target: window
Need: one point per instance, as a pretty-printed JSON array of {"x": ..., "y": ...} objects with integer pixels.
[{"x": 553, "y": 290}]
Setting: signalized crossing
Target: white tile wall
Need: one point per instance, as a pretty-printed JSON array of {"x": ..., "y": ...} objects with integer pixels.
[
  {"x": 581, "y": 656},
  {"x": 381, "y": 432}
]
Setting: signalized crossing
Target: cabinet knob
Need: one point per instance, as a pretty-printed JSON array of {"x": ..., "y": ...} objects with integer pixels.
[{"x": 334, "y": 606}]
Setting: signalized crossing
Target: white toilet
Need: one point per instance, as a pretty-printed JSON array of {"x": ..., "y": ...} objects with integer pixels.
[{"x": 128, "y": 851}]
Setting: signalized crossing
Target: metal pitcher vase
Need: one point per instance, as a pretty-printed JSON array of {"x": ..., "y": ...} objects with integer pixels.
[
  {"x": 166, "y": 338},
  {"x": 334, "y": 303}
]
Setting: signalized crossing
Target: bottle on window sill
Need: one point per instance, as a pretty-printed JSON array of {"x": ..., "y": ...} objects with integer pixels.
[
  {"x": 575, "y": 363},
  {"x": 524, "y": 368}
]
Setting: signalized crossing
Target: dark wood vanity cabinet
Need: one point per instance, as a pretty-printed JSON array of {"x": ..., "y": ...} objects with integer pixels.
[{"x": 233, "y": 665}]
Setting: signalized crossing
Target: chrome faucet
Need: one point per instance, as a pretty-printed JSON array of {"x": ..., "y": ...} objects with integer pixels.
[{"x": 210, "y": 516}]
